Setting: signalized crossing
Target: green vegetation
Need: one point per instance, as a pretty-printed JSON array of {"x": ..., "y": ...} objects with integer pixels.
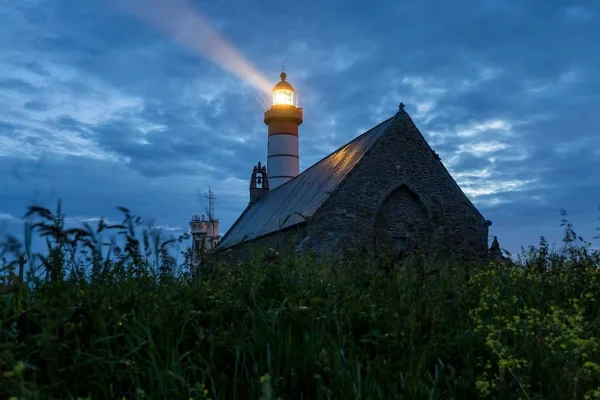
[{"x": 95, "y": 321}]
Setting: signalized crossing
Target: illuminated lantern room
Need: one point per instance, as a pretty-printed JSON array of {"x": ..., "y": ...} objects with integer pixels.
[
  {"x": 283, "y": 92},
  {"x": 283, "y": 120}
]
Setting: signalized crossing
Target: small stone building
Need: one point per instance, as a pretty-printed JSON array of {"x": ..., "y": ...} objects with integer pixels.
[{"x": 385, "y": 191}]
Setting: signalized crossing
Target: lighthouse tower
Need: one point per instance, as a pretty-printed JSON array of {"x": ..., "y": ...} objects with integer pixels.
[{"x": 283, "y": 120}]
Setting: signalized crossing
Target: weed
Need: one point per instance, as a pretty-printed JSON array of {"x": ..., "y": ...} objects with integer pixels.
[{"x": 116, "y": 318}]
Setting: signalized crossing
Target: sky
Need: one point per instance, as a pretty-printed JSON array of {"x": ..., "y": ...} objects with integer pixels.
[{"x": 145, "y": 103}]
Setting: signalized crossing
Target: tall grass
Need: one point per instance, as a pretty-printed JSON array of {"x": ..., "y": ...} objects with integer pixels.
[{"x": 101, "y": 321}]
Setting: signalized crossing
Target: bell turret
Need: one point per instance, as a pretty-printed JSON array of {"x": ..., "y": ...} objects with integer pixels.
[{"x": 259, "y": 182}]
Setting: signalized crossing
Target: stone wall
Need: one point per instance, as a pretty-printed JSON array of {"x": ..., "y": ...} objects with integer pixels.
[
  {"x": 400, "y": 157},
  {"x": 401, "y": 223}
]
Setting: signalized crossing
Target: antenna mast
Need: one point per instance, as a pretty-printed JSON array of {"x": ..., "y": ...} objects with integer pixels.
[
  {"x": 266, "y": 103},
  {"x": 211, "y": 204},
  {"x": 262, "y": 104}
]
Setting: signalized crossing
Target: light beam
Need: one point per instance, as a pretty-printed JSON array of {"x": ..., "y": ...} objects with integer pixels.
[{"x": 187, "y": 25}]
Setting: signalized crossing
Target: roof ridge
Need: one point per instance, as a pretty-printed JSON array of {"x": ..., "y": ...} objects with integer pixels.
[
  {"x": 327, "y": 156},
  {"x": 400, "y": 113},
  {"x": 412, "y": 123},
  {"x": 272, "y": 194}
]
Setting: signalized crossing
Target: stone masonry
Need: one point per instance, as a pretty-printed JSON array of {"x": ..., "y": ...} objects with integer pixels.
[
  {"x": 402, "y": 185},
  {"x": 399, "y": 196}
]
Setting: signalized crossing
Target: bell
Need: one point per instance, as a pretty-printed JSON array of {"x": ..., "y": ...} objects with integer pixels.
[{"x": 259, "y": 180}]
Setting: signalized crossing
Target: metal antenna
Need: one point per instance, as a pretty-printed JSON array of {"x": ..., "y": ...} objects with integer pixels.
[
  {"x": 211, "y": 204},
  {"x": 261, "y": 104},
  {"x": 266, "y": 103}
]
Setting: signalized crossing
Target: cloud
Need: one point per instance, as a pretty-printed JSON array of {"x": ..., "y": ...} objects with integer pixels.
[
  {"x": 100, "y": 109},
  {"x": 496, "y": 126},
  {"x": 579, "y": 14},
  {"x": 58, "y": 115},
  {"x": 8, "y": 217}
]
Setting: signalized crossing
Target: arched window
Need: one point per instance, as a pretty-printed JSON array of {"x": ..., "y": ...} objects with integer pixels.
[{"x": 400, "y": 223}]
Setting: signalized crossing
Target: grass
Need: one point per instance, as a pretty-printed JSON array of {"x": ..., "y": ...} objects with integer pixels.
[{"x": 105, "y": 322}]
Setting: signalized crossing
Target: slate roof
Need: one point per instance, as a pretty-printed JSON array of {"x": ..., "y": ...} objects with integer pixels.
[{"x": 304, "y": 194}]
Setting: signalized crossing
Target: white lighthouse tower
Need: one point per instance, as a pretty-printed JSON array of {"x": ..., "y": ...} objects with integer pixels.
[
  {"x": 283, "y": 120},
  {"x": 205, "y": 231}
]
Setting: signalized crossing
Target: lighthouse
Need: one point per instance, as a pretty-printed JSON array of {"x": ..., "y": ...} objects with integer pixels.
[{"x": 283, "y": 119}]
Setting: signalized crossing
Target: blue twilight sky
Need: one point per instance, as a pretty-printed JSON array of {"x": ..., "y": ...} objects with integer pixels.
[{"x": 104, "y": 104}]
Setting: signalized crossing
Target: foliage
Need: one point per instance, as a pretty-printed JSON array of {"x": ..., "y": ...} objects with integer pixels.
[{"x": 99, "y": 321}]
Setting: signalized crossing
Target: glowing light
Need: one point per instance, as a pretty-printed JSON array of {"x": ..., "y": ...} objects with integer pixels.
[
  {"x": 283, "y": 96},
  {"x": 187, "y": 25}
]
